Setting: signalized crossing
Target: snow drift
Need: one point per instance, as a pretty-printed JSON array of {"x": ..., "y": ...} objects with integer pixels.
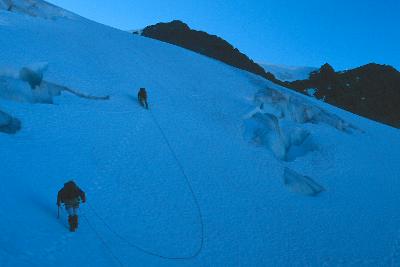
[
  {"x": 27, "y": 86},
  {"x": 301, "y": 184}
]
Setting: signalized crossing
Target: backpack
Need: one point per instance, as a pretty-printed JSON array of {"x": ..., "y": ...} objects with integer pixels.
[{"x": 70, "y": 192}]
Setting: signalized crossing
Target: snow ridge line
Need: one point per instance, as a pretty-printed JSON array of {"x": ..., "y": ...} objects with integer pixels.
[{"x": 82, "y": 95}]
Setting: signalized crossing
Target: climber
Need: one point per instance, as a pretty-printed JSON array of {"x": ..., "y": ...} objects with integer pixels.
[
  {"x": 142, "y": 98},
  {"x": 71, "y": 195}
]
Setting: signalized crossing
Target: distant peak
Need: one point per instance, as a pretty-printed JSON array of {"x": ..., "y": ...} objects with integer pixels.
[
  {"x": 175, "y": 24},
  {"x": 179, "y": 33},
  {"x": 327, "y": 68}
]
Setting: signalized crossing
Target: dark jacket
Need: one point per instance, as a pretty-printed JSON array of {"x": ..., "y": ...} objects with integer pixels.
[
  {"x": 142, "y": 94},
  {"x": 70, "y": 195}
]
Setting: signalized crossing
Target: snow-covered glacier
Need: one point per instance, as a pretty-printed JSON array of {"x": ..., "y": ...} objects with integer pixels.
[{"x": 225, "y": 169}]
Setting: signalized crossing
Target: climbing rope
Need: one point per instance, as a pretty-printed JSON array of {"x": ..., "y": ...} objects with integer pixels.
[
  {"x": 103, "y": 241},
  {"x": 187, "y": 180}
]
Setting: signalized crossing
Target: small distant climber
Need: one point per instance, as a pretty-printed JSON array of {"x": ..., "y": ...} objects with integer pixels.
[
  {"x": 71, "y": 195},
  {"x": 142, "y": 98}
]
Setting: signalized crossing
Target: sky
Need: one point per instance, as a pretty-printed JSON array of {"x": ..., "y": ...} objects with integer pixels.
[{"x": 344, "y": 33}]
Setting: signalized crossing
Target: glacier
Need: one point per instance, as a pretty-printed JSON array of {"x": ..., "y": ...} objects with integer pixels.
[{"x": 233, "y": 134}]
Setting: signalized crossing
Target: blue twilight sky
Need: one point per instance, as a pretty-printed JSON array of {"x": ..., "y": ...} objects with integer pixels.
[{"x": 345, "y": 33}]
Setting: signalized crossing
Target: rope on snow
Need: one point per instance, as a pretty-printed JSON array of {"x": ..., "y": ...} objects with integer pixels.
[
  {"x": 200, "y": 214},
  {"x": 103, "y": 241},
  {"x": 187, "y": 180}
]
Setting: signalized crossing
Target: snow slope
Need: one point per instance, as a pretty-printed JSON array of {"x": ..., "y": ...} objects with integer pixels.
[
  {"x": 251, "y": 150},
  {"x": 288, "y": 73},
  {"x": 36, "y": 8}
]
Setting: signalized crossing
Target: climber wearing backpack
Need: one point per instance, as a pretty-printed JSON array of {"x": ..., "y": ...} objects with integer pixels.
[
  {"x": 142, "y": 98},
  {"x": 71, "y": 195}
]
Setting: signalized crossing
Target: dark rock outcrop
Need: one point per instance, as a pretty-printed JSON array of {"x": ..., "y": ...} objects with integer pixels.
[
  {"x": 372, "y": 90},
  {"x": 9, "y": 124},
  {"x": 179, "y": 33}
]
